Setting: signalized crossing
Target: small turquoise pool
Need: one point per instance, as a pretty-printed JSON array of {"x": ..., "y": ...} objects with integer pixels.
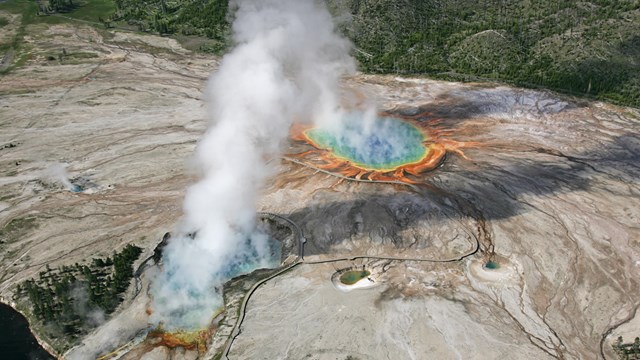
[
  {"x": 385, "y": 144},
  {"x": 492, "y": 265}
]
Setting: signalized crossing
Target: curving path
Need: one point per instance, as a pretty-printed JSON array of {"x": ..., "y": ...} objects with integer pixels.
[{"x": 301, "y": 240}]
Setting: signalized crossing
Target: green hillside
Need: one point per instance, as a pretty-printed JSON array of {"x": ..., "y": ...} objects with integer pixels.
[
  {"x": 581, "y": 47},
  {"x": 589, "y": 48},
  {"x": 586, "y": 48}
]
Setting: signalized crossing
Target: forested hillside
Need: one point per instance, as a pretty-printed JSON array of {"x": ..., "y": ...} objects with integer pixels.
[
  {"x": 589, "y": 48},
  {"x": 583, "y": 47},
  {"x": 185, "y": 17}
]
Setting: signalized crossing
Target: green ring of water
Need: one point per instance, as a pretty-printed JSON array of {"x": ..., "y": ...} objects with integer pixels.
[{"x": 353, "y": 276}]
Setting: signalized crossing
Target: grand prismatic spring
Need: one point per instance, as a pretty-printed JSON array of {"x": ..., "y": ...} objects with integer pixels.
[{"x": 386, "y": 148}]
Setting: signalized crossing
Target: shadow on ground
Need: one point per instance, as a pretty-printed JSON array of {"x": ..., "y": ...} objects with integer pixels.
[{"x": 470, "y": 193}]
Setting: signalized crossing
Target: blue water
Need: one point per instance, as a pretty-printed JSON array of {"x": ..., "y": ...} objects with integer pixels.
[
  {"x": 185, "y": 301},
  {"x": 248, "y": 261},
  {"x": 387, "y": 144}
]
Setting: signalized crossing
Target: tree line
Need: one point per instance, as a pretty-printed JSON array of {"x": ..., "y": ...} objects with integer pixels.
[
  {"x": 74, "y": 299},
  {"x": 587, "y": 48}
]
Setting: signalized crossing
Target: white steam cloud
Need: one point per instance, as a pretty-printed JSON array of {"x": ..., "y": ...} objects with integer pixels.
[
  {"x": 285, "y": 67},
  {"x": 57, "y": 172}
]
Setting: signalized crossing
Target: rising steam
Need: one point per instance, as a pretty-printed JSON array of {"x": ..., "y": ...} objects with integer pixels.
[
  {"x": 57, "y": 172},
  {"x": 285, "y": 67}
]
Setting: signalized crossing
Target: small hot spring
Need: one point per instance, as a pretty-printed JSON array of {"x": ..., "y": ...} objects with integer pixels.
[
  {"x": 384, "y": 144},
  {"x": 353, "y": 276},
  {"x": 491, "y": 265}
]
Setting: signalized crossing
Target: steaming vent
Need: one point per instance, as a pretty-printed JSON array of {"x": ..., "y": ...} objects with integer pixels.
[
  {"x": 286, "y": 64},
  {"x": 57, "y": 174}
]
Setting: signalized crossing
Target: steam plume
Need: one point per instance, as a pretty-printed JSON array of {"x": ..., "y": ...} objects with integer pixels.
[
  {"x": 285, "y": 67},
  {"x": 58, "y": 173}
]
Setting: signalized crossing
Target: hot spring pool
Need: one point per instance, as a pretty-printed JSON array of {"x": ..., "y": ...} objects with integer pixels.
[
  {"x": 492, "y": 265},
  {"x": 353, "y": 276},
  {"x": 384, "y": 144}
]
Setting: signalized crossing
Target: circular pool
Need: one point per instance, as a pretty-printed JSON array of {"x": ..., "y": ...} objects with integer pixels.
[
  {"x": 353, "y": 276},
  {"x": 492, "y": 265},
  {"x": 381, "y": 143}
]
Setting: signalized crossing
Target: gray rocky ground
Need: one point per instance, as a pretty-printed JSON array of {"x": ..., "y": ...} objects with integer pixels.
[{"x": 548, "y": 188}]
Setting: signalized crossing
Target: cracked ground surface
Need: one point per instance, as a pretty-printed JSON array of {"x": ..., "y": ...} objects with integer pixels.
[{"x": 547, "y": 188}]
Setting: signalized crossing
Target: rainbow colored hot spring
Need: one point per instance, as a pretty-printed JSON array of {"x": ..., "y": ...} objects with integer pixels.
[
  {"x": 382, "y": 145},
  {"x": 384, "y": 148}
]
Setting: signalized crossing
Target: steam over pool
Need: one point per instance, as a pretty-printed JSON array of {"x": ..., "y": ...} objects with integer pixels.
[
  {"x": 381, "y": 144},
  {"x": 189, "y": 299},
  {"x": 286, "y": 65}
]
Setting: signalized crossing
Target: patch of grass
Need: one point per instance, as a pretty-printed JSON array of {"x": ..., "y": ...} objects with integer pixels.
[
  {"x": 17, "y": 227},
  {"x": 7, "y": 197},
  {"x": 92, "y": 10},
  {"x": 28, "y": 9},
  {"x": 33, "y": 14},
  {"x": 16, "y": 91},
  {"x": 201, "y": 44},
  {"x": 149, "y": 49},
  {"x": 4, "y": 47},
  {"x": 3, "y": 21},
  {"x": 87, "y": 10},
  {"x": 81, "y": 55},
  {"x": 21, "y": 57}
]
